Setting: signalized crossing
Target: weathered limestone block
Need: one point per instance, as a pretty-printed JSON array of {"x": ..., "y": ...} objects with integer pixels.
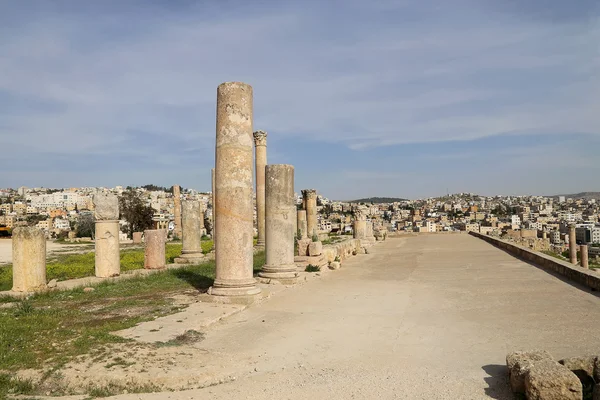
[
  {"x": 137, "y": 237},
  {"x": 233, "y": 193},
  {"x": 519, "y": 362},
  {"x": 106, "y": 206},
  {"x": 315, "y": 249},
  {"x": 303, "y": 246},
  {"x": 549, "y": 380},
  {"x": 154, "y": 254},
  {"x": 335, "y": 265},
  {"x": 108, "y": 259},
  {"x": 580, "y": 366},
  {"x": 279, "y": 218},
  {"x": 29, "y": 259}
]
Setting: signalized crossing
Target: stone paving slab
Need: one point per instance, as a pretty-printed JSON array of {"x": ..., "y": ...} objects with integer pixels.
[{"x": 197, "y": 316}]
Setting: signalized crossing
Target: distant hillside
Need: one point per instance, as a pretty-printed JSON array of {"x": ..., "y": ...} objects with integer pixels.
[
  {"x": 582, "y": 195},
  {"x": 378, "y": 200}
]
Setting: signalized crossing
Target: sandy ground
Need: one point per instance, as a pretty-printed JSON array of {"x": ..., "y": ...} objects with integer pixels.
[{"x": 428, "y": 317}]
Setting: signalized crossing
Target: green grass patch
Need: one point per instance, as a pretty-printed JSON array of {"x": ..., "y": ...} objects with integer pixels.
[
  {"x": 72, "y": 266},
  {"x": 49, "y": 329}
]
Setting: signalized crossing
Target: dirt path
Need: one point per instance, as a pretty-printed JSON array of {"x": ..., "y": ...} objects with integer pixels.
[{"x": 429, "y": 317}]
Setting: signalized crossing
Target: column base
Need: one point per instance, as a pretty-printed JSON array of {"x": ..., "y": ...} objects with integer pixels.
[
  {"x": 190, "y": 258},
  {"x": 285, "y": 274},
  {"x": 260, "y": 243},
  {"x": 220, "y": 288}
]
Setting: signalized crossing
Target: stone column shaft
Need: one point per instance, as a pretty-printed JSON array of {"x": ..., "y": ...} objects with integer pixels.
[
  {"x": 583, "y": 250},
  {"x": 106, "y": 212},
  {"x": 233, "y": 192},
  {"x": 154, "y": 254},
  {"x": 310, "y": 201},
  {"x": 260, "y": 142},
  {"x": 214, "y": 208},
  {"x": 108, "y": 259},
  {"x": 572, "y": 245},
  {"x": 280, "y": 216},
  {"x": 177, "y": 211},
  {"x": 191, "y": 249},
  {"x": 360, "y": 229},
  {"x": 29, "y": 259},
  {"x": 302, "y": 226}
]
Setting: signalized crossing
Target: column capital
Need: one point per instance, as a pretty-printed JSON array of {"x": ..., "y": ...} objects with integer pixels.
[
  {"x": 260, "y": 138},
  {"x": 309, "y": 193}
]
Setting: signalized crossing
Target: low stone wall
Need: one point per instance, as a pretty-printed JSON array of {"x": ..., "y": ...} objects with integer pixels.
[
  {"x": 572, "y": 272},
  {"x": 343, "y": 250}
]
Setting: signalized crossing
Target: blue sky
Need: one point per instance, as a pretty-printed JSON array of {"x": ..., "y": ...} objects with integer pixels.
[{"x": 365, "y": 98}]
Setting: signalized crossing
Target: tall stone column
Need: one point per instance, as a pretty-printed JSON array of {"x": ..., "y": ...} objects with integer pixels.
[
  {"x": 177, "y": 212},
  {"x": 108, "y": 262},
  {"x": 260, "y": 142},
  {"x": 154, "y": 253},
  {"x": 233, "y": 192},
  {"x": 191, "y": 249},
  {"x": 214, "y": 207},
  {"x": 310, "y": 201},
  {"x": 572, "y": 244},
  {"x": 29, "y": 259},
  {"x": 583, "y": 250},
  {"x": 280, "y": 215},
  {"x": 302, "y": 226}
]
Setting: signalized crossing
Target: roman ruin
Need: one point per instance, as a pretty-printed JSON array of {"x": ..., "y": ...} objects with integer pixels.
[
  {"x": 572, "y": 244},
  {"x": 233, "y": 192},
  {"x": 302, "y": 232},
  {"x": 260, "y": 143},
  {"x": 583, "y": 251},
  {"x": 280, "y": 215},
  {"x": 177, "y": 210},
  {"x": 310, "y": 205},
  {"x": 191, "y": 249},
  {"x": 154, "y": 254},
  {"x": 29, "y": 259},
  {"x": 106, "y": 212}
]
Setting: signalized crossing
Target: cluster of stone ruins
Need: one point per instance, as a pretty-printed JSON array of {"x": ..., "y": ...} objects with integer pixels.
[
  {"x": 535, "y": 375},
  {"x": 281, "y": 227}
]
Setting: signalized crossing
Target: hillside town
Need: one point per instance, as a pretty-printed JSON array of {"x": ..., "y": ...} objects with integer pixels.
[{"x": 540, "y": 222}]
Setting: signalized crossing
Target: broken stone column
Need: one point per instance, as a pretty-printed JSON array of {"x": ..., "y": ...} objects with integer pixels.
[
  {"x": 260, "y": 141},
  {"x": 280, "y": 215},
  {"x": 572, "y": 244},
  {"x": 310, "y": 201},
  {"x": 177, "y": 212},
  {"x": 360, "y": 224},
  {"x": 583, "y": 250},
  {"x": 106, "y": 212},
  {"x": 154, "y": 254},
  {"x": 29, "y": 259},
  {"x": 302, "y": 226},
  {"x": 137, "y": 237},
  {"x": 233, "y": 192},
  {"x": 191, "y": 249}
]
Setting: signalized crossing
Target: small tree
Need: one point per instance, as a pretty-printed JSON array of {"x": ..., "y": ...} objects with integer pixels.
[
  {"x": 135, "y": 212},
  {"x": 85, "y": 225}
]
